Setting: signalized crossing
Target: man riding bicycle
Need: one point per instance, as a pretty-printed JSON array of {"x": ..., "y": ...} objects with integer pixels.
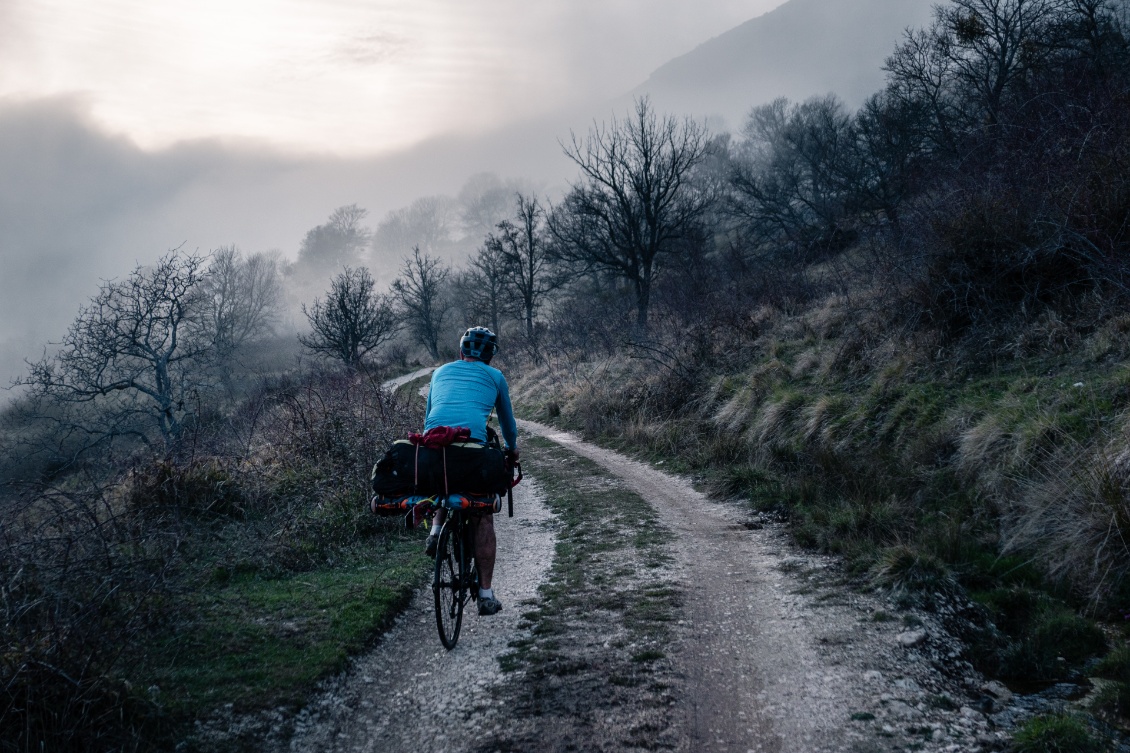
[{"x": 463, "y": 393}]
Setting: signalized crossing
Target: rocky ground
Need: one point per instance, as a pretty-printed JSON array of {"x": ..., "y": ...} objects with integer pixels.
[{"x": 409, "y": 693}]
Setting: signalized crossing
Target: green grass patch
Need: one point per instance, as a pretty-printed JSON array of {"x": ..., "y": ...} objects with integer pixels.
[
  {"x": 903, "y": 470},
  {"x": 1056, "y": 733},
  {"x": 1113, "y": 699},
  {"x": 1115, "y": 665},
  {"x": 259, "y": 640},
  {"x": 1045, "y": 638}
]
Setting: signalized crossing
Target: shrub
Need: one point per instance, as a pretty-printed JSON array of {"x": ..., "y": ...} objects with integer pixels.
[
  {"x": 1045, "y": 638},
  {"x": 1055, "y": 733},
  {"x": 1115, "y": 665},
  {"x": 82, "y": 580},
  {"x": 1069, "y": 635},
  {"x": 914, "y": 574},
  {"x": 197, "y": 487},
  {"x": 1113, "y": 698}
]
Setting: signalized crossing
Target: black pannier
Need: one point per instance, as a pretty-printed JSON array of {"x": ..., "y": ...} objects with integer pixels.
[{"x": 408, "y": 469}]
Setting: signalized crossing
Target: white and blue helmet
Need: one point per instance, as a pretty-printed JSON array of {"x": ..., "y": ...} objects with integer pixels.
[{"x": 480, "y": 343}]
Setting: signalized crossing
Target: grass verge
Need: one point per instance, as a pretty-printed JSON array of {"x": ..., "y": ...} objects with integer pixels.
[
  {"x": 1004, "y": 485},
  {"x": 259, "y": 640},
  {"x": 600, "y": 627}
]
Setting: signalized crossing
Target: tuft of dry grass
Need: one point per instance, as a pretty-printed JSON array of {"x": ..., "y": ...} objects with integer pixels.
[
  {"x": 909, "y": 572},
  {"x": 981, "y": 446},
  {"x": 1073, "y": 513},
  {"x": 822, "y": 420},
  {"x": 774, "y": 424}
]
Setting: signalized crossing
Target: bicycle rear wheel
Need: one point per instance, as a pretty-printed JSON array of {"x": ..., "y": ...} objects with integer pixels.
[{"x": 448, "y": 587}]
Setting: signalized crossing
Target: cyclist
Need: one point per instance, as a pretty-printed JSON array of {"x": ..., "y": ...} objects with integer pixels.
[{"x": 463, "y": 393}]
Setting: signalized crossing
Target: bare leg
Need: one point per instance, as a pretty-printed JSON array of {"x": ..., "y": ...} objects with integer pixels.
[{"x": 486, "y": 546}]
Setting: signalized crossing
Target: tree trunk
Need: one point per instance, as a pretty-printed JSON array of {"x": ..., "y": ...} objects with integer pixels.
[{"x": 643, "y": 300}]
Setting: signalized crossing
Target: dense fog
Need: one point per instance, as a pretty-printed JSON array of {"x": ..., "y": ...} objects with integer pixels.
[{"x": 81, "y": 201}]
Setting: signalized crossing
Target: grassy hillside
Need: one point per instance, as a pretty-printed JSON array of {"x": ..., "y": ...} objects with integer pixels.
[{"x": 938, "y": 478}]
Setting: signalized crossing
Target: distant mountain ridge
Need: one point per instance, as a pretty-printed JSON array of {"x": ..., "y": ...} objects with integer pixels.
[{"x": 801, "y": 49}]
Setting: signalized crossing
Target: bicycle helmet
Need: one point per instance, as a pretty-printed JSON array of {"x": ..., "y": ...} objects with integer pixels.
[{"x": 480, "y": 343}]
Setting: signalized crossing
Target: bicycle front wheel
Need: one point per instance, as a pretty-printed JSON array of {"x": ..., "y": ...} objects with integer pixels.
[{"x": 447, "y": 587}]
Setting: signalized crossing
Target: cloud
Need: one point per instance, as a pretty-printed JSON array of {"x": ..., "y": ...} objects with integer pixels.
[
  {"x": 79, "y": 204},
  {"x": 374, "y": 48},
  {"x": 76, "y": 205}
]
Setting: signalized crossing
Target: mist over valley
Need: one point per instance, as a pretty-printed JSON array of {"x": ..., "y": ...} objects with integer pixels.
[{"x": 80, "y": 203}]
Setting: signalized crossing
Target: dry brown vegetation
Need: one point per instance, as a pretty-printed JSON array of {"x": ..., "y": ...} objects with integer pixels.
[{"x": 100, "y": 568}]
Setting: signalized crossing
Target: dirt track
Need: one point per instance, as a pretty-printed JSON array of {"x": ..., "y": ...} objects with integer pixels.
[
  {"x": 775, "y": 654},
  {"x": 771, "y": 652},
  {"x": 409, "y": 693}
]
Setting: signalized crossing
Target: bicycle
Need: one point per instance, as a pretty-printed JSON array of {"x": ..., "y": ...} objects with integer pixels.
[{"x": 456, "y": 580}]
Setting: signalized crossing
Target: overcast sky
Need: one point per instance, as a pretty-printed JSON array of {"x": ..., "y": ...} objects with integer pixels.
[
  {"x": 345, "y": 76},
  {"x": 131, "y": 127}
]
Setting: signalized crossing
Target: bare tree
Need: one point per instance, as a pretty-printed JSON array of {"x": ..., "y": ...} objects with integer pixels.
[
  {"x": 353, "y": 321},
  {"x": 1098, "y": 32},
  {"x": 524, "y": 246},
  {"x": 995, "y": 45},
  {"x": 889, "y": 155},
  {"x": 975, "y": 55},
  {"x": 483, "y": 288},
  {"x": 486, "y": 200},
  {"x": 243, "y": 296},
  {"x": 139, "y": 351},
  {"x": 790, "y": 182},
  {"x": 337, "y": 243},
  {"x": 423, "y": 297},
  {"x": 429, "y": 222},
  {"x": 634, "y": 201}
]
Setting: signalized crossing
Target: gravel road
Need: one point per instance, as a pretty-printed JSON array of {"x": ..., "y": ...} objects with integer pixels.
[
  {"x": 409, "y": 693},
  {"x": 392, "y": 384},
  {"x": 776, "y": 654},
  {"x": 772, "y": 651}
]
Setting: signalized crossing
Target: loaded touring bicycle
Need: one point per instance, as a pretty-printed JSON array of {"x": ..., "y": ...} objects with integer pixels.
[{"x": 442, "y": 470}]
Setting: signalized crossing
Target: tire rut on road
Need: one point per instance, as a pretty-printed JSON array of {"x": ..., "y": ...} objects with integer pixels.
[
  {"x": 745, "y": 669},
  {"x": 761, "y": 647}
]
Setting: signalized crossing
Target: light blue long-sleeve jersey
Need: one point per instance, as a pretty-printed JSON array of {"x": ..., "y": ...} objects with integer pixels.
[{"x": 463, "y": 393}]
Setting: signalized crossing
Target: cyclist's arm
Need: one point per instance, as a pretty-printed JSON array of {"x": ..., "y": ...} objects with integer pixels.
[{"x": 506, "y": 415}]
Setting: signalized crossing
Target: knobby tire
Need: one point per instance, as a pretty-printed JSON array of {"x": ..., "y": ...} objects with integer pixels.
[{"x": 447, "y": 585}]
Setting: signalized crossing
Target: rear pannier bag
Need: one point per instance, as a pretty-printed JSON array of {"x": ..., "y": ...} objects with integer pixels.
[{"x": 470, "y": 468}]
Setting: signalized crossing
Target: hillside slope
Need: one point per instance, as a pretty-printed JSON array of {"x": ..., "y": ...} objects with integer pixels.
[{"x": 801, "y": 49}]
